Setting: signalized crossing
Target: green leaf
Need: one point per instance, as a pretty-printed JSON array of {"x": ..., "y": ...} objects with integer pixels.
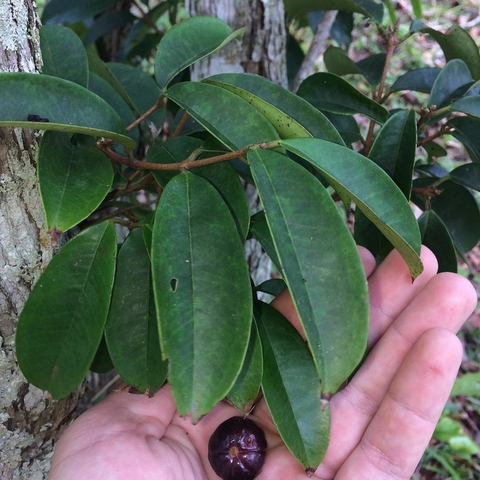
[
  {"x": 106, "y": 91},
  {"x": 457, "y": 43},
  {"x": 63, "y": 54},
  {"x": 347, "y": 126},
  {"x": 394, "y": 149},
  {"x": 435, "y": 236},
  {"x": 467, "y": 384},
  {"x": 469, "y": 105},
  {"x": 419, "y": 80},
  {"x": 106, "y": 23},
  {"x": 73, "y": 181},
  {"x": 313, "y": 244},
  {"x": 467, "y": 175},
  {"x": 291, "y": 115},
  {"x": 417, "y": 8},
  {"x": 141, "y": 89},
  {"x": 337, "y": 61},
  {"x": 247, "y": 386},
  {"x": 59, "y": 11},
  {"x": 291, "y": 389},
  {"x": 458, "y": 209},
  {"x": 454, "y": 75},
  {"x": 368, "y": 8},
  {"x": 466, "y": 131},
  {"x": 131, "y": 331},
  {"x": 59, "y": 101},
  {"x": 273, "y": 286},
  {"x": 259, "y": 229},
  {"x": 61, "y": 325},
  {"x": 198, "y": 268},
  {"x": 221, "y": 175},
  {"x": 189, "y": 41},
  {"x": 329, "y": 92},
  {"x": 370, "y": 187},
  {"x": 216, "y": 109}
]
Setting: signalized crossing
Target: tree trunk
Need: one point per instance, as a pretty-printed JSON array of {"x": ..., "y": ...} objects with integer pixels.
[
  {"x": 29, "y": 419},
  {"x": 263, "y": 52}
]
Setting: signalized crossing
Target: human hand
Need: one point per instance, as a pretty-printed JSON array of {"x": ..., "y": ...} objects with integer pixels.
[{"x": 382, "y": 420}]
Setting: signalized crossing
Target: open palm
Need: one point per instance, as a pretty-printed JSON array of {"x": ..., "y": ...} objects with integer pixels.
[{"x": 382, "y": 420}]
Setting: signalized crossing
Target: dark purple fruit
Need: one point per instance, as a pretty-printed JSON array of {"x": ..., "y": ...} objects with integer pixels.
[{"x": 236, "y": 449}]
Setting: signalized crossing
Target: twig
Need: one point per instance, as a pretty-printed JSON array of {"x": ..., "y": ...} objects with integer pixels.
[
  {"x": 316, "y": 48},
  {"x": 146, "y": 114},
  {"x": 181, "y": 124}
]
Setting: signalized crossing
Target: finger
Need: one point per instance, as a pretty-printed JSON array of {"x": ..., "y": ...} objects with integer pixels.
[
  {"x": 391, "y": 289},
  {"x": 401, "y": 429},
  {"x": 445, "y": 302},
  {"x": 283, "y": 302}
]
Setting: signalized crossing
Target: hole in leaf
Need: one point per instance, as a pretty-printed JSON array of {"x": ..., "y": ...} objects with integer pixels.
[{"x": 173, "y": 284}]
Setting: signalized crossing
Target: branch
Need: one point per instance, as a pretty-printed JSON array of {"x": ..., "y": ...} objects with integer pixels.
[
  {"x": 316, "y": 48},
  {"x": 185, "y": 164},
  {"x": 146, "y": 114}
]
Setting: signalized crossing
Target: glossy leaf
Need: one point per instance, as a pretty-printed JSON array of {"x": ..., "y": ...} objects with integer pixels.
[
  {"x": 291, "y": 389},
  {"x": 368, "y": 8},
  {"x": 198, "y": 268},
  {"x": 331, "y": 93},
  {"x": 457, "y": 43},
  {"x": 217, "y": 110},
  {"x": 189, "y": 41},
  {"x": 347, "y": 126},
  {"x": 63, "y": 54},
  {"x": 62, "y": 322},
  {"x": 259, "y": 229},
  {"x": 247, "y": 385},
  {"x": 131, "y": 331},
  {"x": 26, "y": 93},
  {"x": 73, "y": 181},
  {"x": 337, "y": 61},
  {"x": 221, "y": 175},
  {"x": 290, "y": 114},
  {"x": 419, "y": 80},
  {"x": 59, "y": 11},
  {"x": 313, "y": 244},
  {"x": 435, "y": 236},
  {"x": 141, "y": 89},
  {"x": 467, "y": 175},
  {"x": 369, "y": 187},
  {"x": 273, "y": 286},
  {"x": 454, "y": 75}
]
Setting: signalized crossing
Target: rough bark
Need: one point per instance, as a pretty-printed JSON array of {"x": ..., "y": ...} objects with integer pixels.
[
  {"x": 262, "y": 52},
  {"x": 29, "y": 419}
]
